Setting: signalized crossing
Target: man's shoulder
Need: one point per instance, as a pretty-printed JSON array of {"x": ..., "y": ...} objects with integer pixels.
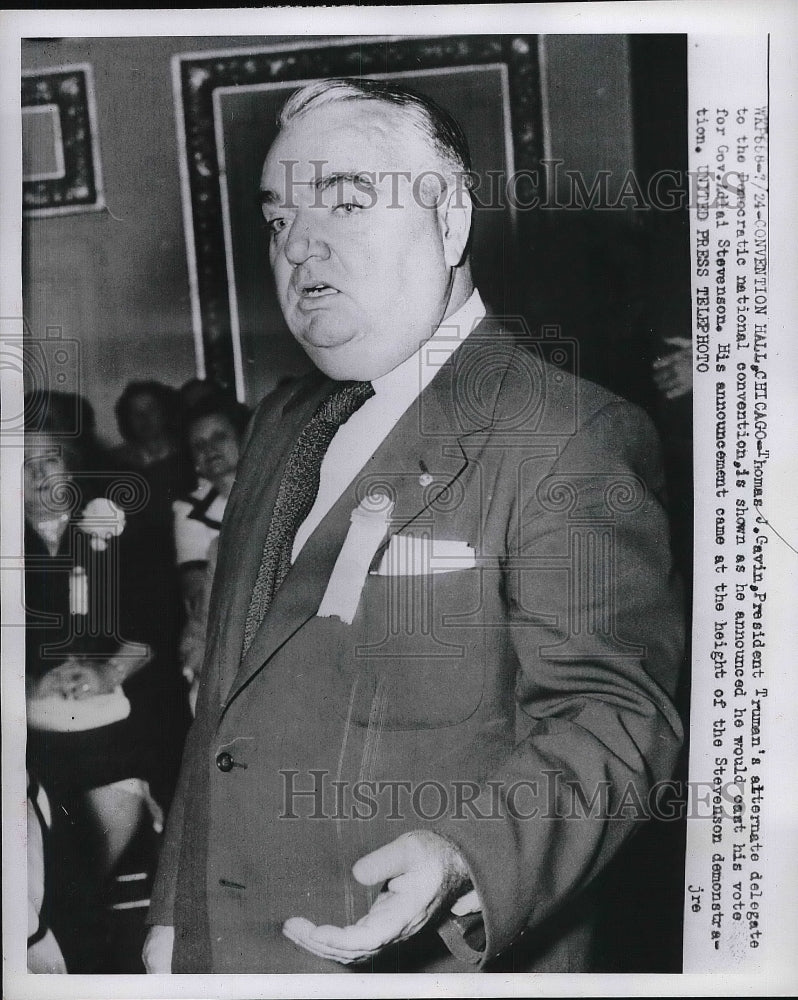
[
  {"x": 531, "y": 381},
  {"x": 290, "y": 391}
]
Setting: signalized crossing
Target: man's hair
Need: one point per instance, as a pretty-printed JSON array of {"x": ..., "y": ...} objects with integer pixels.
[{"x": 441, "y": 131}]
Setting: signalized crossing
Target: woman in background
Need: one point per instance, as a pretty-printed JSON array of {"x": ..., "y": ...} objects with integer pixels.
[
  {"x": 147, "y": 417},
  {"x": 214, "y": 429},
  {"x": 149, "y": 420},
  {"x": 76, "y": 649},
  {"x": 104, "y": 728}
]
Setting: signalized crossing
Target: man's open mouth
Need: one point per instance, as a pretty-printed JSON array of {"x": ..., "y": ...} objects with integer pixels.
[{"x": 316, "y": 290}]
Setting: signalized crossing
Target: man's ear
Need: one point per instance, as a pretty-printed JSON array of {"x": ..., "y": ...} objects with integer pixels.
[{"x": 454, "y": 217}]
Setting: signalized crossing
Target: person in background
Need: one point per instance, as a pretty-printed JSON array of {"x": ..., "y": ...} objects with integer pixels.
[
  {"x": 94, "y": 679},
  {"x": 214, "y": 429},
  {"x": 44, "y": 952},
  {"x": 673, "y": 370},
  {"x": 196, "y": 391},
  {"x": 147, "y": 417},
  {"x": 672, "y": 373}
]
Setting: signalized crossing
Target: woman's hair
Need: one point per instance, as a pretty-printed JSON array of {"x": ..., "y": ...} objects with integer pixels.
[
  {"x": 195, "y": 390},
  {"x": 70, "y": 419},
  {"x": 218, "y": 406},
  {"x": 165, "y": 397}
]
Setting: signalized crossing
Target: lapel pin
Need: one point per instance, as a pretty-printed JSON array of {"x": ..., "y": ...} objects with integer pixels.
[{"x": 425, "y": 479}]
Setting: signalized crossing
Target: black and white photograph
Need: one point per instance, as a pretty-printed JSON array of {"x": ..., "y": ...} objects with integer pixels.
[{"x": 391, "y": 441}]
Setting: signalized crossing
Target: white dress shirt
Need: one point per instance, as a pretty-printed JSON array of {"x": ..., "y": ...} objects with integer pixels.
[{"x": 356, "y": 441}]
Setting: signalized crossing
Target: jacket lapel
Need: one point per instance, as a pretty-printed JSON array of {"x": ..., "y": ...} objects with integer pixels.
[
  {"x": 419, "y": 459},
  {"x": 247, "y": 520}
]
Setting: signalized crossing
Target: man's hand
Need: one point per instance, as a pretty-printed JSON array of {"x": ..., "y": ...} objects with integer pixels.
[
  {"x": 425, "y": 874},
  {"x": 72, "y": 680},
  {"x": 157, "y": 950},
  {"x": 673, "y": 372}
]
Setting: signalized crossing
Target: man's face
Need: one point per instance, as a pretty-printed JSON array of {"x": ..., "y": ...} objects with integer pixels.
[{"x": 361, "y": 255}]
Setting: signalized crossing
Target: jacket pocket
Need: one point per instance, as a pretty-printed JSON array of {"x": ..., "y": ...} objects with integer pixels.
[{"x": 404, "y": 664}]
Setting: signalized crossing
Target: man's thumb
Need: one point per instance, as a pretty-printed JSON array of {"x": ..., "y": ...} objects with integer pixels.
[{"x": 386, "y": 862}]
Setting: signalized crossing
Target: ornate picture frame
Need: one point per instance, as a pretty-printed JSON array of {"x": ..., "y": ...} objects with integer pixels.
[
  {"x": 61, "y": 171},
  {"x": 205, "y": 83}
]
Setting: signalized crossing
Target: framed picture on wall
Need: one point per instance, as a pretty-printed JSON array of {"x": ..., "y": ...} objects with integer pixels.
[
  {"x": 227, "y": 106},
  {"x": 60, "y": 148}
]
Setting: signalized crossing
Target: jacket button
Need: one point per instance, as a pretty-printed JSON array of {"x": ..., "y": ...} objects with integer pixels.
[{"x": 225, "y": 762}]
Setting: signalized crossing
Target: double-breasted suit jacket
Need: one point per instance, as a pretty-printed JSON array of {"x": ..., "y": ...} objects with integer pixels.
[{"x": 472, "y": 700}]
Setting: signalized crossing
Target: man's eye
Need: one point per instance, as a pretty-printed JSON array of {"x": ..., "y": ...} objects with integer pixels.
[
  {"x": 275, "y": 226},
  {"x": 347, "y": 208}
]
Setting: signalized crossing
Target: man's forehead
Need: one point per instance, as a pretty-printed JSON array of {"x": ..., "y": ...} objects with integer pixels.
[{"x": 341, "y": 139}]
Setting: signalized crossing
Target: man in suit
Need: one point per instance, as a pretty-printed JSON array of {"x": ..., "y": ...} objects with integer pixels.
[{"x": 435, "y": 700}]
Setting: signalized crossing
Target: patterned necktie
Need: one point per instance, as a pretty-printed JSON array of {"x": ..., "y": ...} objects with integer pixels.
[{"x": 297, "y": 494}]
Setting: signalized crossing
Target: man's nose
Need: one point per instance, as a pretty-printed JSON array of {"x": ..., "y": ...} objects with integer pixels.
[{"x": 304, "y": 241}]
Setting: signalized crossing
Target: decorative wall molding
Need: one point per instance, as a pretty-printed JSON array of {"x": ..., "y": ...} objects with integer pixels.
[
  {"x": 61, "y": 161},
  {"x": 196, "y": 76}
]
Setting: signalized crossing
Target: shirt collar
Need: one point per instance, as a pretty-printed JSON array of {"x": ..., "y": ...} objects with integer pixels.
[{"x": 417, "y": 371}]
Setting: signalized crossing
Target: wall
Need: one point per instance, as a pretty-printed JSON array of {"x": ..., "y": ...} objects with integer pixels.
[
  {"x": 589, "y": 103},
  {"x": 117, "y": 280}
]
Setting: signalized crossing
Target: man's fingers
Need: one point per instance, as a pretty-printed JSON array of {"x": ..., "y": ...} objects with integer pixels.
[
  {"x": 470, "y": 903},
  {"x": 392, "y": 918},
  {"x": 154, "y": 809},
  {"x": 158, "y": 947},
  {"x": 351, "y": 940},
  {"x": 414, "y": 866},
  {"x": 314, "y": 939},
  {"x": 372, "y": 932},
  {"x": 386, "y": 862}
]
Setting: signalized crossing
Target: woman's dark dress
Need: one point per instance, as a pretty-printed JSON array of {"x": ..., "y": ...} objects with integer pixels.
[{"x": 129, "y": 600}]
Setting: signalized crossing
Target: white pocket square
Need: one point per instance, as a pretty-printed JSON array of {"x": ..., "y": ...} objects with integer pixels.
[{"x": 411, "y": 555}]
